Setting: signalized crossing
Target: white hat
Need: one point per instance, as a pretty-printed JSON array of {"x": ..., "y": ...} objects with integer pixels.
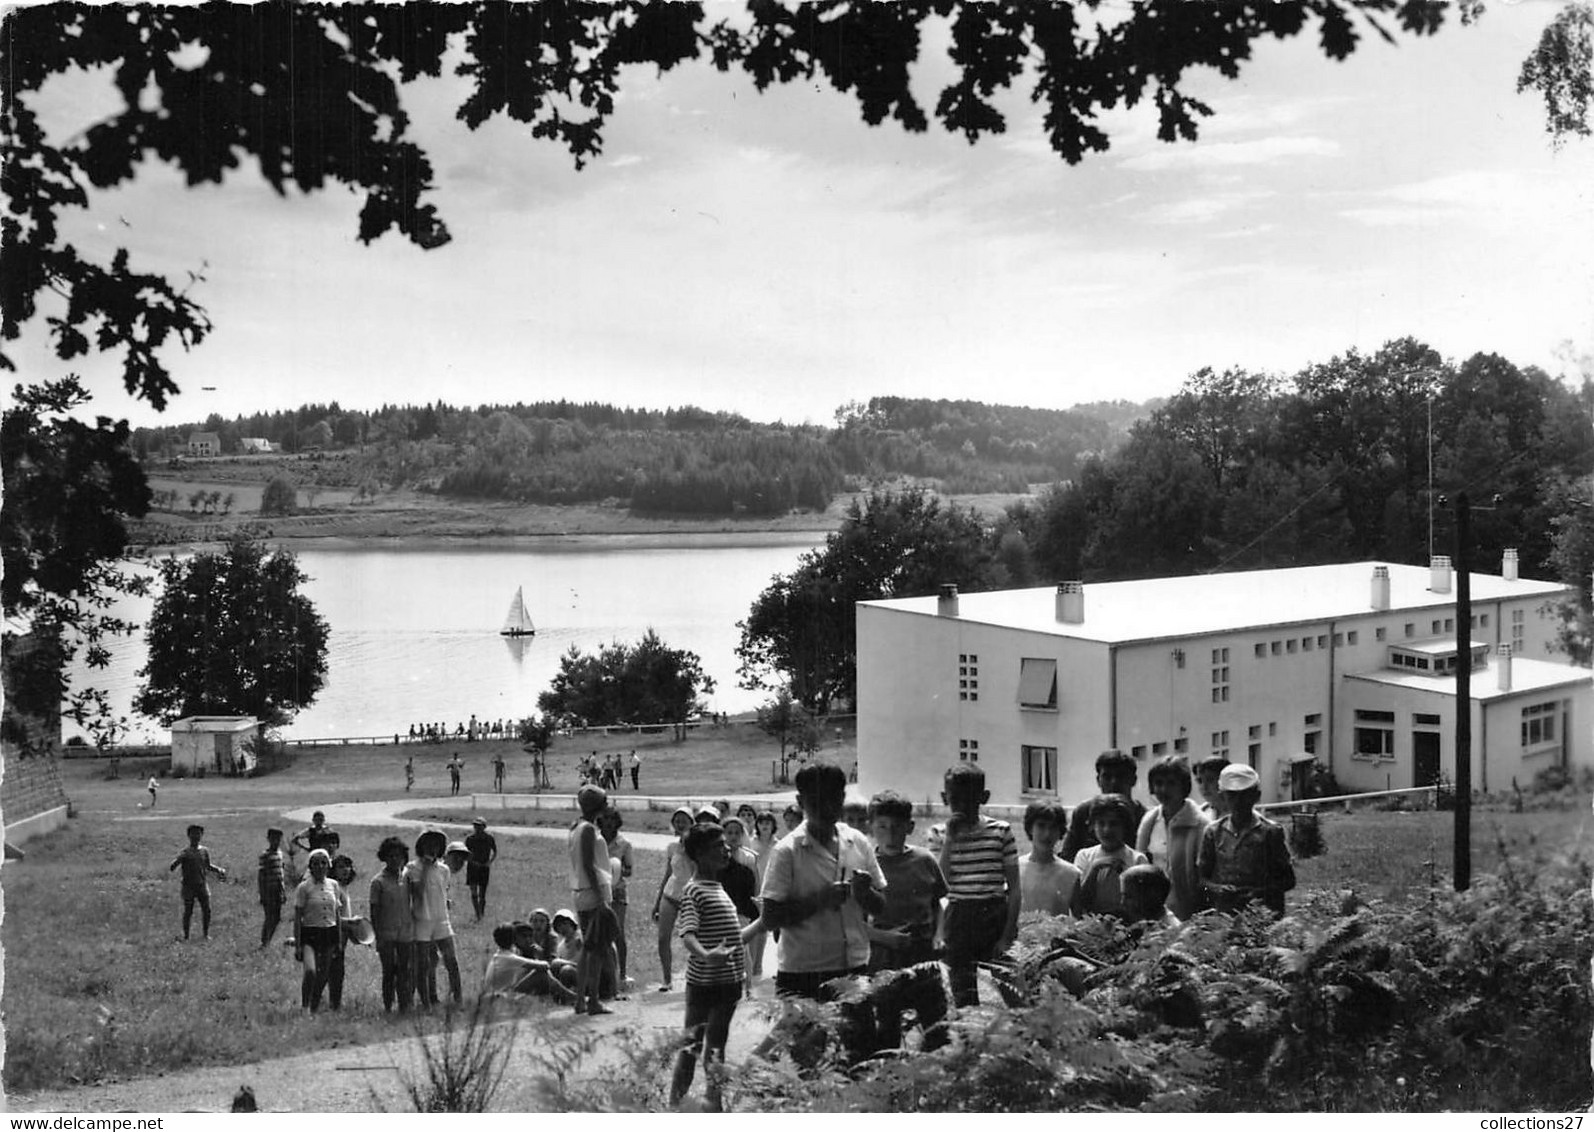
[
  {"x": 456, "y": 847},
  {"x": 1238, "y": 776}
]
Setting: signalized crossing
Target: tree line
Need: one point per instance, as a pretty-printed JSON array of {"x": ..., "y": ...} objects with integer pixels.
[
  {"x": 1238, "y": 470},
  {"x": 684, "y": 460}
]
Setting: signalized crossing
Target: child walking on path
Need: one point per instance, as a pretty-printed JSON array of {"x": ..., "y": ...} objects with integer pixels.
[
  {"x": 716, "y": 964},
  {"x": 980, "y": 862},
  {"x": 196, "y": 866}
]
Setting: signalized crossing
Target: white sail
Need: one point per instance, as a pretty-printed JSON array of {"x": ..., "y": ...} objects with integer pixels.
[{"x": 518, "y": 622}]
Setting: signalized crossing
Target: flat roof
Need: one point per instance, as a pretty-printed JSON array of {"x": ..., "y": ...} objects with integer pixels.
[
  {"x": 1527, "y": 676},
  {"x": 1201, "y": 604}
]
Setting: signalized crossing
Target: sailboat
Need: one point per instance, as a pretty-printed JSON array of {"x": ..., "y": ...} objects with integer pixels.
[{"x": 518, "y": 622}]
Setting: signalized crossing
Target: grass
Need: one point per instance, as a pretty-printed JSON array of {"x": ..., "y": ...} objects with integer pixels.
[{"x": 99, "y": 986}]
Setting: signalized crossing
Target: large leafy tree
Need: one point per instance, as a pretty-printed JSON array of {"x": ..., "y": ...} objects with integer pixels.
[
  {"x": 801, "y": 633},
  {"x": 69, "y": 487},
  {"x": 647, "y": 682},
  {"x": 231, "y": 633}
]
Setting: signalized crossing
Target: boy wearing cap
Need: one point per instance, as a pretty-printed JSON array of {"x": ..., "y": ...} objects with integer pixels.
[
  {"x": 272, "y": 879},
  {"x": 196, "y": 866},
  {"x": 483, "y": 850},
  {"x": 1244, "y": 856}
]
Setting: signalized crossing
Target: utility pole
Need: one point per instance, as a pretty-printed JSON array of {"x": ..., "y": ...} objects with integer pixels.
[{"x": 1462, "y": 863}]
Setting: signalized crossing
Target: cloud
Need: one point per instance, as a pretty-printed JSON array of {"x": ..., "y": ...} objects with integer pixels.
[
  {"x": 1205, "y": 155},
  {"x": 1200, "y": 209},
  {"x": 1492, "y": 198}
]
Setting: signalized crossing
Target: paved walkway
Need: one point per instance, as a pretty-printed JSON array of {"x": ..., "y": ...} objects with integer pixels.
[{"x": 385, "y": 813}]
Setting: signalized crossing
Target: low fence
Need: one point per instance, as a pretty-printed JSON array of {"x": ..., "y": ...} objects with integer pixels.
[{"x": 1349, "y": 800}]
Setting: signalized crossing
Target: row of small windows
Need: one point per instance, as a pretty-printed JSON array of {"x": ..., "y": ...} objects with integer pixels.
[{"x": 968, "y": 676}]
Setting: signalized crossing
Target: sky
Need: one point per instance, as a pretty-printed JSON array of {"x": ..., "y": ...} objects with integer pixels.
[{"x": 770, "y": 254}]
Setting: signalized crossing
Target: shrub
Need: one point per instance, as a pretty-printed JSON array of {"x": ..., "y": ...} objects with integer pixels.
[
  {"x": 462, "y": 1066},
  {"x": 279, "y": 497}
]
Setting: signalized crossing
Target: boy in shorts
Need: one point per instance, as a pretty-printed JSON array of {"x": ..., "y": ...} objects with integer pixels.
[
  {"x": 715, "y": 963},
  {"x": 196, "y": 866},
  {"x": 483, "y": 849},
  {"x": 272, "y": 879}
]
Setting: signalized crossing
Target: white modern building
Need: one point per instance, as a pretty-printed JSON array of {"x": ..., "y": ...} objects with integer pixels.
[
  {"x": 1351, "y": 665},
  {"x": 214, "y": 744}
]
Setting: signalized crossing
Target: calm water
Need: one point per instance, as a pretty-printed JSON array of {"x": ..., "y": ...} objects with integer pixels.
[{"x": 414, "y": 633}]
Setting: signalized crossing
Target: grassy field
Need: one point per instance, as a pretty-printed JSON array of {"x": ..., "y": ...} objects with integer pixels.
[{"x": 99, "y": 986}]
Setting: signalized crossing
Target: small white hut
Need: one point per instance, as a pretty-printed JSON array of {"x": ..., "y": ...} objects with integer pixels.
[{"x": 214, "y": 744}]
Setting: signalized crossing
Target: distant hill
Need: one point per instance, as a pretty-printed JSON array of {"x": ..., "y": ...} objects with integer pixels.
[{"x": 681, "y": 460}]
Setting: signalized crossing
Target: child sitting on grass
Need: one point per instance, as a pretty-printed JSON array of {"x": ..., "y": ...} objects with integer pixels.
[
  {"x": 980, "y": 863},
  {"x": 715, "y": 963},
  {"x": 511, "y": 973},
  {"x": 1112, "y": 821},
  {"x": 1049, "y": 884}
]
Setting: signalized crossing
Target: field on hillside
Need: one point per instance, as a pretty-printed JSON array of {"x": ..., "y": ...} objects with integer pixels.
[{"x": 99, "y": 986}]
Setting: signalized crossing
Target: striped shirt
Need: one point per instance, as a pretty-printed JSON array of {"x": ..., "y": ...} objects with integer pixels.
[
  {"x": 707, "y": 912},
  {"x": 976, "y": 861},
  {"x": 273, "y": 870}
]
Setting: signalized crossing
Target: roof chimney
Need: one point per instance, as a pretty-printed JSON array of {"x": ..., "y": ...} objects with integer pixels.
[
  {"x": 1071, "y": 603},
  {"x": 1380, "y": 587},
  {"x": 1502, "y": 668},
  {"x": 1439, "y": 574},
  {"x": 946, "y": 605},
  {"x": 1508, "y": 564}
]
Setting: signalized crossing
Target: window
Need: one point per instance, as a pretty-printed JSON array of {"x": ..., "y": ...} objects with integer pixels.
[
  {"x": 1306, "y": 644},
  {"x": 1411, "y": 630},
  {"x": 1277, "y": 648},
  {"x": 968, "y": 750},
  {"x": 1375, "y": 735},
  {"x": 1253, "y": 753},
  {"x": 1380, "y": 633},
  {"x": 1322, "y": 640},
  {"x": 1339, "y": 639},
  {"x": 1435, "y": 630},
  {"x": 1350, "y": 637},
  {"x": 1220, "y": 676},
  {"x": 1037, "y": 683},
  {"x": 1450, "y": 624},
  {"x": 1254, "y": 731},
  {"x": 1181, "y": 745},
  {"x": 1483, "y": 619},
  {"x": 1310, "y": 740},
  {"x": 1261, "y": 648},
  {"x": 1159, "y": 749},
  {"x": 1518, "y": 629},
  {"x": 1272, "y": 729},
  {"x": 1040, "y": 769},
  {"x": 1139, "y": 752},
  {"x": 968, "y": 676},
  {"x": 1538, "y": 727},
  {"x": 1424, "y": 719},
  {"x": 1290, "y": 646},
  {"x": 1220, "y": 743}
]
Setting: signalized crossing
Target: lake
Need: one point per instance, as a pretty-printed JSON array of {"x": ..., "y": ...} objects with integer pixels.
[{"x": 415, "y": 632}]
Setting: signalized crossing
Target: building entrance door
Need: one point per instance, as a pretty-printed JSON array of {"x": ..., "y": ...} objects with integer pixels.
[{"x": 1425, "y": 758}]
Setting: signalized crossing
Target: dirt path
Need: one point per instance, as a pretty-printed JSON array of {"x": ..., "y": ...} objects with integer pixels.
[{"x": 372, "y": 1077}]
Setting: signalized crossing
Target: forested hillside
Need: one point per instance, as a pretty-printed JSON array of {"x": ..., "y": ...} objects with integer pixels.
[{"x": 685, "y": 460}]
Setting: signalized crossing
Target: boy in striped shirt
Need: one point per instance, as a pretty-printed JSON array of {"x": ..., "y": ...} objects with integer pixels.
[
  {"x": 980, "y": 862},
  {"x": 715, "y": 962}
]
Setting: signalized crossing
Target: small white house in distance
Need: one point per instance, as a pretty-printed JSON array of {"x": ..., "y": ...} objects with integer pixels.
[
  {"x": 253, "y": 444},
  {"x": 215, "y": 742},
  {"x": 1352, "y": 665}
]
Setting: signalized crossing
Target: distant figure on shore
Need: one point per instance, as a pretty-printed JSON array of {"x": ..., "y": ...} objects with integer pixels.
[
  {"x": 498, "y": 771},
  {"x": 454, "y": 767}
]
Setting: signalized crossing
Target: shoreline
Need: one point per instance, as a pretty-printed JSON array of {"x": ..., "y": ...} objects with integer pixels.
[{"x": 542, "y": 542}]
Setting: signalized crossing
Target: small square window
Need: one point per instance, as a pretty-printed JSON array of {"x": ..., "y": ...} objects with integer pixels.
[
  {"x": 1485, "y": 621},
  {"x": 1261, "y": 648},
  {"x": 1350, "y": 637},
  {"x": 1290, "y": 646},
  {"x": 1276, "y": 647},
  {"x": 1450, "y": 624},
  {"x": 1139, "y": 752},
  {"x": 1159, "y": 748},
  {"x": 1339, "y": 639},
  {"x": 1380, "y": 633},
  {"x": 1435, "y": 629},
  {"x": 1322, "y": 640},
  {"x": 1181, "y": 745},
  {"x": 1272, "y": 729},
  {"x": 1306, "y": 644},
  {"x": 1411, "y": 630}
]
